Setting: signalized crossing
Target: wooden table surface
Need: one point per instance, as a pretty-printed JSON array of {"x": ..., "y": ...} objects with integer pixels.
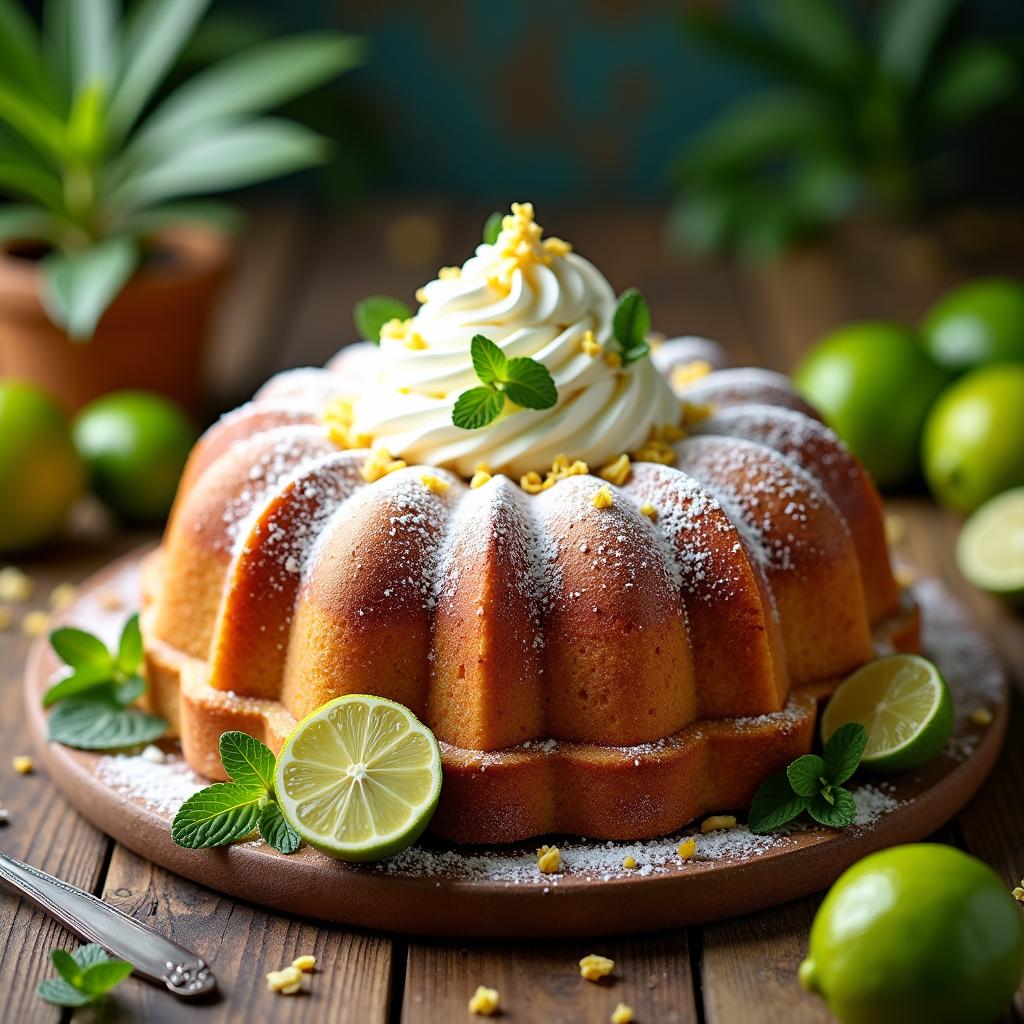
[{"x": 290, "y": 305}]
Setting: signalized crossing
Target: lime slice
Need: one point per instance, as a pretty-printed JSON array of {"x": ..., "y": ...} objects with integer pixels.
[
  {"x": 359, "y": 778},
  {"x": 904, "y": 704},
  {"x": 990, "y": 551}
]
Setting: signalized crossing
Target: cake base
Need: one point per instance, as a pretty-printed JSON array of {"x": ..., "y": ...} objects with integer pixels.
[{"x": 441, "y": 889}]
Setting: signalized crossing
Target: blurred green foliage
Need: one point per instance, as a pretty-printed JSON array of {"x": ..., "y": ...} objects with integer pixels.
[
  {"x": 101, "y": 157},
  {"x": 864, "y": 113}
]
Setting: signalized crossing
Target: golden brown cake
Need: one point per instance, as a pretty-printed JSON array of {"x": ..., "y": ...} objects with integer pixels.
[{"x": 622, "y": 621}]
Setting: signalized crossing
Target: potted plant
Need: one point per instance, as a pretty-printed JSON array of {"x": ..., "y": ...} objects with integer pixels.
[{"x": 109, "y": 265}]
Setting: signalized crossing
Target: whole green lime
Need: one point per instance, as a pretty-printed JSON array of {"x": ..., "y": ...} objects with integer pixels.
[
  {"x": 978, "y": 323},
  {"x": 921, "y": 933},
  {"x": 40, "y": 472},
  {"x": 973, "y": 445},
  {"x": 874, "y": 384},
  {"x": 135, "y": 444}
]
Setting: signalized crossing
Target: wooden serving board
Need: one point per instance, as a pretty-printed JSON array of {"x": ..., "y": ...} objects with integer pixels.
[{"x": 441, "y": 889}]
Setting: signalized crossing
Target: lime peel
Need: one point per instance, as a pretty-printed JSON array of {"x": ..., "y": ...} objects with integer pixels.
[{"x": 990, "y": 551}]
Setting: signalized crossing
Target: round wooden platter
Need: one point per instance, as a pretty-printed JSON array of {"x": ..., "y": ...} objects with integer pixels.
[{"x": 442, "y": 889}]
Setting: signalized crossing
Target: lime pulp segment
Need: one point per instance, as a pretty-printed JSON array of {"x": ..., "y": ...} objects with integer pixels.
[
  {"x": 359, "y": 778},
  {"x": 990, "y": 551}
]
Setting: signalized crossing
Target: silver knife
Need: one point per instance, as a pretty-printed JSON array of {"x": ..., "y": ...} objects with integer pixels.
[{"x": 155, "y": 958}]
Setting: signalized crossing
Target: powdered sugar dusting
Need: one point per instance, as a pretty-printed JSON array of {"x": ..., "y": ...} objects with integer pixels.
[{"x": 158, "y": 786}]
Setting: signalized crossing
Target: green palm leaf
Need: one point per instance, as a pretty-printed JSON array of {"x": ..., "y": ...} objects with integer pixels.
[{"x": 21, "y": 61}]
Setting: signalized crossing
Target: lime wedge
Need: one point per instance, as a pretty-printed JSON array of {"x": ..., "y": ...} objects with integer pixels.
[
  {"x": 990, "y": 551},
  {"x": 904, "y": 704},
  {"x": 359, "y": 778}
]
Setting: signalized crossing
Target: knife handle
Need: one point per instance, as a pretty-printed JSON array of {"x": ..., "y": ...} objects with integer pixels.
[{"x": 154, "y": 957}]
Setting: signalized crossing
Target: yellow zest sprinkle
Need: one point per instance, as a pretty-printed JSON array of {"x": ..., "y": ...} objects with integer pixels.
[
  {"x": 485, "y": 1001},
  {"x": 482, "y": 467},
  {"x": 23, "y": 764},
  {"x": 480, "y": 477},
  {"x": 287, "y": 981},
  {"x": 416, "y": 342},
  {"x": 895, "y": 528},
  {"x": 561, "y": 468},
  {"x": 111, "y": 601},
  {"x": 5, "y": 618},
  {"x": 338, "y": 416},
  {"x": 590, "y": 344},
  {"x": 434, "y": 483},
  {"x": 379, "y": 464},
  {"x": 557, "y": 246},
  {"x": 35, "y": 623},
  {"x": 717, "y": 822},
  {"x": 603, "y": 498},
  {"x": 304, "y": 963},
  {"x": 695, "y": 412},
  {"x": 687, "y": 373},
  {"x": 622, "y": 1014},
  {"x": 15, "y": 586},
  {"x": 449, "y": 273},
  {"x": 62, "y": 596},
  {"x": 980, "y": 716},
  {"x": 594, "y": 967},
  {"x": 613, "y": 359},
  {"x": 656, "y": 451},
  {"x": 672, "y": 434},
  {"x": 421, "y": 295},
  {"x": 629, "y": 862},
  {"x": 647, "y": 509},
  {"x": 687, "y": 849},
  {"x": 617, "y": 472},
  {"x": 1018, "y": 893},
  {"x": 549, "y": 859},
  {"x": 395, "y": 329}
]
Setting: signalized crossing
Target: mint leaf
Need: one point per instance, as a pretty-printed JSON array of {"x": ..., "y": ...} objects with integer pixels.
[
  {"x": 839, "y": 813},
  {"x": 61, "y": 993},
  {"x": 89, "y": 954},
  {"x": 489, "y": 361},
  {"x": 276, "y": 831},
  {"x": 129, "y": 653},
  {"x": 632, "y": 321},
  {"x": 128, "y": 692},
  {"x": 372, "y": 313},
  {"x": 248, "y": 762},
  {"x": 805, "y": 775},
  {"x": 216, "y": 816},
  {"x": 843, "y": 752},
  {"x": 101, "y": 723},
  {"x": 492, "y": 228},
  {"x": 66, "y": 965},
  {"x": 631, "y": 355},
  {"x": 102, "y": 976},
  {"x": 82, "y": 680},
  {"x": 79, "y": 649},
  {"x": 477, "y": 407},
  {"x": 774, "y": 805},
  {"x": 529, "y": 384}
]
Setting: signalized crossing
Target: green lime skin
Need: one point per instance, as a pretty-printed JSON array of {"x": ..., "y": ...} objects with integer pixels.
[
  {"x": 920, "y": 933},
  {"x": 981, "y": 322},
  {"x": 874, "y": 384},
  {"x": 40, "y": 472},
  {"x": 973, "y": 445},
  {"x": 135, "y": 444}
]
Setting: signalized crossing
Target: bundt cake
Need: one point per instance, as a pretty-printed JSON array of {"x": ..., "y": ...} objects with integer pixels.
[{"x": 616, "y": 609}]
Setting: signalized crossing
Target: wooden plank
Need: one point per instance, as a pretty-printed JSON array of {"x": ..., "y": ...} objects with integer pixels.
[
  {"x": 351, "y": 984},
  {"x": 43, "y": 830},
  {"x": 540, "y": 981}
]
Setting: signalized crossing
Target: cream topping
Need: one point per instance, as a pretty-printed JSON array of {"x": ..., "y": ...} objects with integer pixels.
[{"x": 532, "y": 297}]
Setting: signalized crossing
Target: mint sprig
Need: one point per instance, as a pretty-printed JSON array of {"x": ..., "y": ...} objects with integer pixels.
[
  {"x": 631, "y": 324},
  {"x": 373, "y": 312},
  {"x": 492, "y": 228},
  {"x": 813, "y": 784},
  {"x": 94, "y": 701},
  {"x": 84, "y": 977},
  {"x": 225, "y": 812},
  {"x": 524, "y": 381}
]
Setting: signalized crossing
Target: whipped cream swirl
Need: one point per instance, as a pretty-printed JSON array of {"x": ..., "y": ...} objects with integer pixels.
[{"x": 531, "y": 298}]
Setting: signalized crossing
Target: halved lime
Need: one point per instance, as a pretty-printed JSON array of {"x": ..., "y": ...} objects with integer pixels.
[
  {"x": 904, "y": 704},
  {"x": 359, "y": 778},
  {"x": 990, "y": 551}
]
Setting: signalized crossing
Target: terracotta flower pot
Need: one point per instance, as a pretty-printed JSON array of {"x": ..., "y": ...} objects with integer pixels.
[{"x": 151, "y": 337}]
